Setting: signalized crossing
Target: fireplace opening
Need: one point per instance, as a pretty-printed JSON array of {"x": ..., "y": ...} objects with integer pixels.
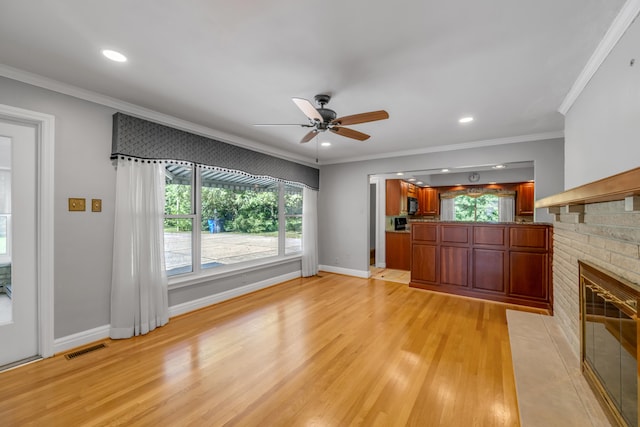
[{"x": 609, "y": 340}]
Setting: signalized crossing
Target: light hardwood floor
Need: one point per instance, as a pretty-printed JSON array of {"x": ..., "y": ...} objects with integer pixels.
[{"x": 327, "y": 351}]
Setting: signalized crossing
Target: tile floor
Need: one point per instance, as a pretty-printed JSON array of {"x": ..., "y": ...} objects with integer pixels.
[
  {"x": 550, "y": 386},
  {"x": 399, "y": 276}
]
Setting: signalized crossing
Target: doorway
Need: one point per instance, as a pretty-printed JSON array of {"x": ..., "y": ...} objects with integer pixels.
[{"x": 26, "y": 235}]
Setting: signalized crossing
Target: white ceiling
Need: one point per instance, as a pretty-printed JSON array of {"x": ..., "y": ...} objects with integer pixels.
[{"x": 227, "y": 65}]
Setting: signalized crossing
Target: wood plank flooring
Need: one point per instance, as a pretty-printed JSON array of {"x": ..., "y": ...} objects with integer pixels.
[{"x": 328, "y": 351}]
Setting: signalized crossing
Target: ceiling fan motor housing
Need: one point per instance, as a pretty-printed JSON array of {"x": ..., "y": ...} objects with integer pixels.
[{"x": 327, "y": 114}]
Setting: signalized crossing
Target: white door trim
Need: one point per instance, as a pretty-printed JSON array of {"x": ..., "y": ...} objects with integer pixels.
[{"x": 45, "y": 135}]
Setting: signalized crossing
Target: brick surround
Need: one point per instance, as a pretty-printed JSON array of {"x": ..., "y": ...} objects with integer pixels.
[{"x": 603, "y": 234}]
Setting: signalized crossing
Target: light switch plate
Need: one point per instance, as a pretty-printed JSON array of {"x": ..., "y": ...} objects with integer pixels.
[
  {"x": 76, "y": 205},
  {"x": 96, "y": 205}
]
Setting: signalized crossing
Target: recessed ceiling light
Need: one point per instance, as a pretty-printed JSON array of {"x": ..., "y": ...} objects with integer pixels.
[
  {"x": 114, "y": 56},
  {"x": 444, "y": 170},
  {"x": 419, "y": 182},
  {"x": 400, "y": 173},
  {"x": 492, "y": 182},
  {"x": 499, "y": 166},
  {"x": 466, "y": 119},
  {"x": 411, "y": 179},
  {"x": 325, "y": 144},
  {"x": 532, "y": 180}
]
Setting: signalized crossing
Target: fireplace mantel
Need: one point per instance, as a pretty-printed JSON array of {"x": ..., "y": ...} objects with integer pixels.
[{"x": 615, "y": 187}]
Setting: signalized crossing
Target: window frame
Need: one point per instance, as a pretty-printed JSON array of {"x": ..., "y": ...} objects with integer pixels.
[{"x": 198, "y": 274}]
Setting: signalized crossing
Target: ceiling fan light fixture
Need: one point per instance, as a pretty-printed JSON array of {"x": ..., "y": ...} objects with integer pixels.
[{"x": 114, "y": 55}]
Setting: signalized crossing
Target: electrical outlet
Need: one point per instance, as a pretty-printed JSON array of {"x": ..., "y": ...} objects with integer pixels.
[
  {"x": 96, "y": 205},
  {"x": 76, "y": 205}
]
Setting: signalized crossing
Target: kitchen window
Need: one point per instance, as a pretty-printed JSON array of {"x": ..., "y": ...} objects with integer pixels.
[
  {"x": 216, "y": 218},
  {"x": 484, "y": 208}
]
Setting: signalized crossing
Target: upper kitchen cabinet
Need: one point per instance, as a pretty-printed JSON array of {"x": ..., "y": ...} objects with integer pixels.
[
  {"x": 397, "y": 193},
  {"x": 428, "y": 201},
  {"x": 525, "y": 199}
]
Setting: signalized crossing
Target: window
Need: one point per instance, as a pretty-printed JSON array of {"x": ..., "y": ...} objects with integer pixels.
[
  {"x": 484, "y": 208},
  {"x": 215, "y": 218}
]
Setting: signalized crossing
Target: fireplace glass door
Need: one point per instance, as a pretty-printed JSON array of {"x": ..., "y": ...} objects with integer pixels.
[{"x": 609, "y": 344}]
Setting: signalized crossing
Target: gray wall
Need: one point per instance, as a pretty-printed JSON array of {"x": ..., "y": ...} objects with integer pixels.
[
  {"x": 602, "y": 128},
  {"x": 84, "y": 240},
  {"x": 343, "y": 208}
]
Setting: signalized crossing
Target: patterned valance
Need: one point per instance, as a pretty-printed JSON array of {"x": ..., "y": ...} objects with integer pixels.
[
  {"x": 477, "y": 192},
  {"x": 139, "y": 138}
]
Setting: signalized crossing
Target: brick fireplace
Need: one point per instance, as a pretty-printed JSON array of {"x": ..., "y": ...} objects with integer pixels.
[
  {"x": 597, "y": 224},
  {"x": 603, "y": 234}
]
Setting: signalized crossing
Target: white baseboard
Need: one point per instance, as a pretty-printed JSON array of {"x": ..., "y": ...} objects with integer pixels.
[
  {"x": 346, "y": 271},
  {"x": 102, "y": 332},
  {"x": 81, "y": 338},
  {"x": 186, "y": 307}
]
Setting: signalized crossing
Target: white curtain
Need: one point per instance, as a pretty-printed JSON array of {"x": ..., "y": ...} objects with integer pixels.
[
  {"x": 309, "y": 232},
  {"x": 447, "y": 209},
  {"x": 139, "y": 295},
  {"x": 506, "y": 208}
]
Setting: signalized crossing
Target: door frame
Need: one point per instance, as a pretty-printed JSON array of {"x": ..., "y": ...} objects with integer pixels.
[{"x": 45, "y": 140}]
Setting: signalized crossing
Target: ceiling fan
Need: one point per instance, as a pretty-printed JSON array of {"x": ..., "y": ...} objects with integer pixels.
[{"x": 322, "y": 119}]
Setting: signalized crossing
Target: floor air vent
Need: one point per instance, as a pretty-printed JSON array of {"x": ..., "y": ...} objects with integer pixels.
[{"x": 86, "y": 350}]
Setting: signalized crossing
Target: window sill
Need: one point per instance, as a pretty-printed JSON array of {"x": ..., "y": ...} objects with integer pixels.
[{"x": 186, "y": 280}]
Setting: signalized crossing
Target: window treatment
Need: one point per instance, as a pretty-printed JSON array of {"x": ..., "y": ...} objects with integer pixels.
[
  {"x": 506, "y": 208},
  {"x": 309, "y": 232},
  {"x": 139, "y": 290},
  {"x": 447, "y": 209}
]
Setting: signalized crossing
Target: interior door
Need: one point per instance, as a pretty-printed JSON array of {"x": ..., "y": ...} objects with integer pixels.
[{"x": 18, "y": 157}]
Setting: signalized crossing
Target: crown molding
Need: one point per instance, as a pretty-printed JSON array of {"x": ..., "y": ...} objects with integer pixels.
[
  {"x": 145, "y": 113},
  {"x": 620, "y": 24},
  {"x": 453, "y": 147}
]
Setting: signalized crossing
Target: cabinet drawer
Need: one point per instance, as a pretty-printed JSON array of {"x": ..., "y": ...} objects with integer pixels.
[
  {"x": 455, "y": 234},
  {"x": 492, "y": 235},
  {"x": 528, "y": 237},
  {"x": 424, "y": 232}
]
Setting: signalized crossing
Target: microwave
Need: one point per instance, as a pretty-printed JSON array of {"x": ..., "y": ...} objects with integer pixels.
[{"x": 412, "y": 205}]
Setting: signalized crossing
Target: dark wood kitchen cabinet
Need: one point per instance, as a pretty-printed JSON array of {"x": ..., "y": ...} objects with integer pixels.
[
  {"x": 428, "y": 201},
  {"x": 398, "y": 255},
  {"x": 510, "y": 263},
  {"x": 396, "y": 197},
  {"x": 525, "y": 199}
]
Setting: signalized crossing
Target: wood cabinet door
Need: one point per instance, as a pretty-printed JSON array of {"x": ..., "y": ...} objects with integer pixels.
[
  {"x": 489, "y": 270},
  {"x": 525, "y": 199},
  {"x": 404, "y": 193},
  {"x": 528, "y": 275},
  {"x": 392, "y": 197},
  {"x": 424, "y": 265},
  {"x": 434, "y": 201},
  {"x": 454, "y": 263},
  {"x": 398, "y": 254}
]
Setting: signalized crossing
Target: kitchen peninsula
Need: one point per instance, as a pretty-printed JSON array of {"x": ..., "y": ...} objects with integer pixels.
[{"x": 506, "y": 262}]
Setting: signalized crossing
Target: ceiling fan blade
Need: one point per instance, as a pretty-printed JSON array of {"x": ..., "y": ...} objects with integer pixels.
[
  {"x": 283, "y": 124},
  {"x": 350, "y": 133},
  {"x": 308, "y": 109},
  {"x": 308, "y": 137},
  {"x": 371, "y": 116}
]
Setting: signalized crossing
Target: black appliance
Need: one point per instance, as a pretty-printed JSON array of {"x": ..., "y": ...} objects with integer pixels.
[
  {"x": 412, "y": 205},
  {"x": 399, "y": 224}
]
